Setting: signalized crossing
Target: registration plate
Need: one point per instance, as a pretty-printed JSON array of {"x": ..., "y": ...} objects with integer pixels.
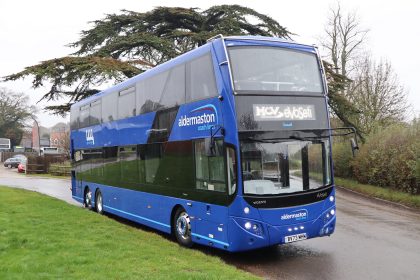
[{"x": 295, "y": 237}]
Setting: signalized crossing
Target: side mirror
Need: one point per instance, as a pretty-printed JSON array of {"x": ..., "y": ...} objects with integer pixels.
[
  {"x": 354, "y": 146},
  {"x": 209, "y": 145}
]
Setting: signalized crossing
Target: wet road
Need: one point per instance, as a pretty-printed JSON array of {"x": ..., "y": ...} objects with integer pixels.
[
  {"x": 373, "y": 240},
  {"x": 59, "y": 188}
]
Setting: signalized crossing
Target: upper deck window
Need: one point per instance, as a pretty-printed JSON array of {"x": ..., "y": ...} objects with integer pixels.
[{"x": 262, "y": 70}]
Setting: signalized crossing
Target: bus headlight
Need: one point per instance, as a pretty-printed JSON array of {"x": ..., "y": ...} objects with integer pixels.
[
  {"x": 248, "y": 225},
  {"x": 251, "y": 227},
  {"x": 331, "y": 198},
  {"x": 246, "y": 210}
]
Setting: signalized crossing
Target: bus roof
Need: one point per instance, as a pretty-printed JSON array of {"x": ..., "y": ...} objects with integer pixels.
[{"x": 229, "y": 41}]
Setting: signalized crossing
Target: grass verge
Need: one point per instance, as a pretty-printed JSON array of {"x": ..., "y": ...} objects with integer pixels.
[
  {"x": 41, "y": 237},
  {"x": 379, "y": 192}
]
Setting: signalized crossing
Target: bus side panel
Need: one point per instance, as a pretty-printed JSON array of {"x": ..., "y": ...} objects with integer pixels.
[
  {"x": 143, "y": 208},
  {"x": 208, "y": 221},
  {"x": 211, "y": 225},
  {"x": 128, "y": 131}
]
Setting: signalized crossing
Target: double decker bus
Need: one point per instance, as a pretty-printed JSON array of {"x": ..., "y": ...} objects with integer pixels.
[{"x": 228, "y": 145}]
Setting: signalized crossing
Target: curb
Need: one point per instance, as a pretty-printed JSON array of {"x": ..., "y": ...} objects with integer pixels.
[{"x": 396, "y": 204}]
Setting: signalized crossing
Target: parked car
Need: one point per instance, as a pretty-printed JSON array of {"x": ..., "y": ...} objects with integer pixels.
[
  {"x": 21, "y": 157},
  {"x": 12, "y": 162},
  {"x": 21, "y": 167}
]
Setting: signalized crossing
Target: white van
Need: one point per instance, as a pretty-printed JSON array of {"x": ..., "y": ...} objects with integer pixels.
[{"x": 48, "y": 151}]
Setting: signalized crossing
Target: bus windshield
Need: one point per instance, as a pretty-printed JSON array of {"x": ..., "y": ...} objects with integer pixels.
[
  {"x": 259, "y": 70},
  {"x": 285, "y": 167}
]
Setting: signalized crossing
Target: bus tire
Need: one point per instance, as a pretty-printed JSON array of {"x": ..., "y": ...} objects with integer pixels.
[
  {"x": 99, "y": 205},
  {"x": 87, "y": 199},
  {"x": 182, "y": 227}
]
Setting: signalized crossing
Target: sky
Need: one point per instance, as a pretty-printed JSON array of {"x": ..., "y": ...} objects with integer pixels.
[{"x": 34, "y": 31}]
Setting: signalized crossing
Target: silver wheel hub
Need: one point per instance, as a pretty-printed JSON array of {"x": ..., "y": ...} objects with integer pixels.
[
  {"x": 99, "y": 203},
  {"x": 183, "y": 226},
  {"x": 88, "y": 198}
]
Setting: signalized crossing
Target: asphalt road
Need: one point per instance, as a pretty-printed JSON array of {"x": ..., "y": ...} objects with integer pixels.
[
  {"x": 373, "y": 240},
  {"x": 58, "y": 188}
]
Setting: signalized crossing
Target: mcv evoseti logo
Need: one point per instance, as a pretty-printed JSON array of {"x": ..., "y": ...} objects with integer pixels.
[{"x": 203, "y": 117}]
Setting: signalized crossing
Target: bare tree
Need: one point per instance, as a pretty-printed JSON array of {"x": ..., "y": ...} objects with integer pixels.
[
  {"x": 343, "y": 40},
  {"x": 377, "y": 94},
  {"x": 64, "y": 143}
]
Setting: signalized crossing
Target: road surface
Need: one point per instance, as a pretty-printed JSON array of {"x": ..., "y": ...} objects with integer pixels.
[
  {"x": 373, "y": 240},
  {"x": 59, "y": 188}
]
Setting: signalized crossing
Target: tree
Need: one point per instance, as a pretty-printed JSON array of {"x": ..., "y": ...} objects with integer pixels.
[
  {"x": 343, "y": 39},
  {"x": 378, "y": 95},
  {"x": 123, "y": 45},
  {"x": 120, "y": 46},
  {"x": 14, "y": 112},
  {"x": 340, "y": 105}
]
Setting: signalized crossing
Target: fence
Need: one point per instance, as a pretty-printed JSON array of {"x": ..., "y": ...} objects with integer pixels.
[
  {"x": 41, "y": 164},
  {"x": 60, "y": 169}
]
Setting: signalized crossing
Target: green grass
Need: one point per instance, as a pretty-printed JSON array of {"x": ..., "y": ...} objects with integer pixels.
[
  {"x": 44, "y": 238},
  {"x": 379, "y": 192}
]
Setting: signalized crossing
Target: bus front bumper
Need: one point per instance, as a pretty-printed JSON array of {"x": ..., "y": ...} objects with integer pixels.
[{"x": 248, "y": 234}]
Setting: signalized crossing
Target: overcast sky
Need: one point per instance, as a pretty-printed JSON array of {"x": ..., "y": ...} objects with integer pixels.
[{"x": 33, "y": 31}]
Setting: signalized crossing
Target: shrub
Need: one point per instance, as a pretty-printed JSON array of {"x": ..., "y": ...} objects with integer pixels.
[
  {"x": 342, "y": 159},
  {"x": 390, "y": 158}
]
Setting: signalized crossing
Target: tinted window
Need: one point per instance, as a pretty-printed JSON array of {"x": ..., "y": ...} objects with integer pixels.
[
  {"x": 162, "y": 125},
  {"x": 84, "y": 116},
  {"x": 209, "y": 170},
  {"x": 154, "y": 87},
  {"x": 128, "y": 160},
  {"x": 174, "y": 91},
  {"x": 152, "y": 156},
  {"x": 269, "y": 69},
  {"x": 109, "y": 107},
  {"x": 176, "y": 165},
  {"x": 96, "y": 164},
  {"x": 127, "y": 103},
  {"x": 111, "y": 165},
  {"x": 95, "y": 112},
  {"x": 141, "y": 97},
  {"x": 201, "y": 82},
  {"x": 231, "y": 167},
  {"x": 74, "y": 114}
]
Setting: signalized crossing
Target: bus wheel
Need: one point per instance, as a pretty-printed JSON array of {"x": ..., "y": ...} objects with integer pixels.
[
  {"x": 87, "y": 202},
  {"x": 99, "y": 206},
  {"x": 182, "y": 227}
]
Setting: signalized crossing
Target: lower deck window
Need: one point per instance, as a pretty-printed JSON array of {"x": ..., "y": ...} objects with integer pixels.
[{"x": 210, "y": 170}]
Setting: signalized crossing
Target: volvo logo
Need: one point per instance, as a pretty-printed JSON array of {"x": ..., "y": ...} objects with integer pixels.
[{"x": 259, "y": 202}]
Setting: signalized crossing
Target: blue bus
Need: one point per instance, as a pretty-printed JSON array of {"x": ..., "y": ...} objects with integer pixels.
[{"x": 227, "y": 145}]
